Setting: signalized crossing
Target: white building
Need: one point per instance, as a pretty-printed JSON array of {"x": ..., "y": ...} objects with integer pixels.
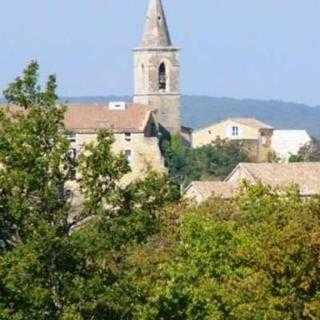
[{"x": 288, "y": 142}]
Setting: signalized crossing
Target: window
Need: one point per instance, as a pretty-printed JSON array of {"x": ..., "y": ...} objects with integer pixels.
[
  {"x": 127, "y": 136},
  {"x": 235, "y": 131},
  {"x": 72, "y": 137},
  {"x": 162, "y": 77},
  {"x": 128, "y": 154},
  {"x": 143, "y": 77}
]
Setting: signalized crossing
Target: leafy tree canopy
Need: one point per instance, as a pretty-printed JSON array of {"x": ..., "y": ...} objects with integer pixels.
[{"x": 211, "y": 162}]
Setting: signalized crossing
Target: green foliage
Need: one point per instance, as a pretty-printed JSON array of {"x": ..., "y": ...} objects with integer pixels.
[
  {"x": 34, "y": 159},
  {"x": 209, "y": 162},
  {"x": 141, "y": 253},
  {"x": 100, "y": 172},
  {"x": 48, "y": 269},
  {"x": 308, "y": 153},
  {"x": 254, "y": 258}
]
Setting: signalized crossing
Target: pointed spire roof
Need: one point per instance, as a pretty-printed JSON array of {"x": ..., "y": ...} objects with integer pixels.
[{"x": 156, "y": 32}]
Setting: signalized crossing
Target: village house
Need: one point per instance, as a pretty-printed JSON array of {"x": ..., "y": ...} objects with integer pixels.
[
  {"x": 254, "y": 135},
  {"x": 260, "y": 140},
  {"x": 133, "y": 125},
  {"x": 304, "y": 175}
]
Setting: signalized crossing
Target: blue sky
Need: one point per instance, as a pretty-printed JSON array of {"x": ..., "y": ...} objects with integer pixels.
[{"x": 268, "y": 49}]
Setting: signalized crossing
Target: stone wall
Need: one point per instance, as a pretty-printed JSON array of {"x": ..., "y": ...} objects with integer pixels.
[
  {"x": 145, "y": 151},
  {"x": 146, "y": 74}
]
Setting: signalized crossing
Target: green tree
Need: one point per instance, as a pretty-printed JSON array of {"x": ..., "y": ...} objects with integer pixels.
[
  {"x": 211, "y": 162},
  {"x": 256, "y": 257},
  {"x": 101, "y": 172},
  {"x": 48, "y": 268},
  {"x": 38, "y": 258}
]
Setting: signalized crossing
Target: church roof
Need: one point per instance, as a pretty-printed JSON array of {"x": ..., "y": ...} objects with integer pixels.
[
  {"x": 156, "y": 32},
  {"x": 92, "y": 117}
]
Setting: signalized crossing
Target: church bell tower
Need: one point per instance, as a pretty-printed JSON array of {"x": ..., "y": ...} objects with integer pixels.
[{"x": 157, "y": 70}]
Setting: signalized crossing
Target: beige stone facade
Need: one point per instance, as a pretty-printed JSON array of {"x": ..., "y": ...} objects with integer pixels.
[
  {"x": 255, "y": 135},
  {"x": 142, "y": 152},
  {"x": 134, "y": 128}
]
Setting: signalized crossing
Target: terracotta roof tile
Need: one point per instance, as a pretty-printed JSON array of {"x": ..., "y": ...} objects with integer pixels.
[
  {"x": 207, "y": 189},
  {"x": 92, "y": 117},
  {"x": 305, "y": 174}
]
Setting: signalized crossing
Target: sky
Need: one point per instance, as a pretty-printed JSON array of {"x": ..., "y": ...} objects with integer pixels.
[{"x": 265, "y": 49}]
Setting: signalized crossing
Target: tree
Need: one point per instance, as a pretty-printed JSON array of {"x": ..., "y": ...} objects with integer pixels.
[
  {"x": 211, "y": 162},
  {"x": 101, "y": 172},
  {"x": 35, "y": 165},
  {"x": 48, "y": 269},
  {"x": 34, "y": 158},
  {"x": 256, "y": 257}
]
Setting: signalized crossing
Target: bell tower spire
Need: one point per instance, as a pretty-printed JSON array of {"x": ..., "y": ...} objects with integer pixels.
[
  {"x": 156, "y": 32},
  {"x": 157, "y": 70}
]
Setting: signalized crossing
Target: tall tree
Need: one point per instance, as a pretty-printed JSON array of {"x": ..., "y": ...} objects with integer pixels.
[{"x": 35, "y": 165}]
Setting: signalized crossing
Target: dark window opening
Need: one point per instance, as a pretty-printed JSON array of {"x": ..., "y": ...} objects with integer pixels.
[
  {"x": 162, "y": 77},
  {"x": 127, "y": 136},
  {"x": 72, "y": 137},
  {"x": 235, "y": 131}
]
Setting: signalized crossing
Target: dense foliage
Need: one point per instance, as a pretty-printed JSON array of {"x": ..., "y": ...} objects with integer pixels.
[
  {"x": 211, "y": 162},
  {"x": 51, "y": 268},
  {"x": 138, "y": 252},
  {"x": 256, "y": 257}
]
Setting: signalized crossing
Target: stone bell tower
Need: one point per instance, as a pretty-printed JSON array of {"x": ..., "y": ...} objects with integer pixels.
[{"x": 157, "y": 70}]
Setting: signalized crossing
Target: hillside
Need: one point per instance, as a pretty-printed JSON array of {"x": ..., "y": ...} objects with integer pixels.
[{"x": 201, "y": 110}]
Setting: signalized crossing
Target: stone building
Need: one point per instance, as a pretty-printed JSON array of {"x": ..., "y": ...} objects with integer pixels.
[
  {"x": 135, "y": 132},
  {"x": 305, "y": 175},
  {"x": 280, "y": 176},
  {"x": 157, "y": 70},
  {"x": 254, "y": 135}
]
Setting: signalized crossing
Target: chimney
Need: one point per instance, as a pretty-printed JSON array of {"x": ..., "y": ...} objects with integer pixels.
[{"x": 117, "y": 105}]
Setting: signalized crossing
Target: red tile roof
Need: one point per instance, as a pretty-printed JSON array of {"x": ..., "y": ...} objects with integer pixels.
[{"x": 92, "y": 117}]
